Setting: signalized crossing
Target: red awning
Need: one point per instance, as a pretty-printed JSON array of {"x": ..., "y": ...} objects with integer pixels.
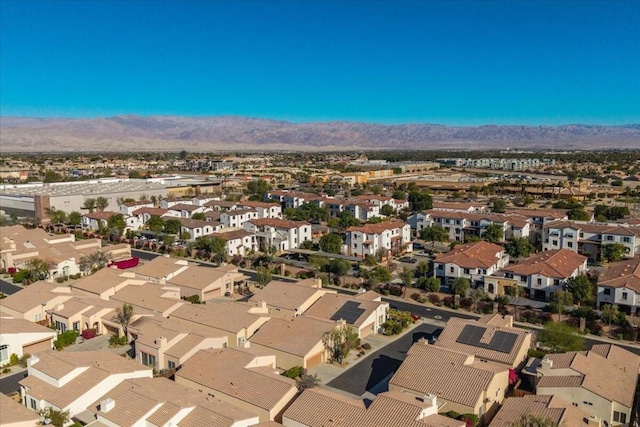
[{"x": 127, "y": 263}]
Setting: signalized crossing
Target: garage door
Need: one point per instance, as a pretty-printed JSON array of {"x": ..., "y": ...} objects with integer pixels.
[
  {"x": 314, "y": 360},
  {"x": 37, "y": 347},
  {"x": 367, "y": 330}
]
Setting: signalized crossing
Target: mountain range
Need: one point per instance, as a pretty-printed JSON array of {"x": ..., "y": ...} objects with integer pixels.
[{"x": 231, "y": 133}]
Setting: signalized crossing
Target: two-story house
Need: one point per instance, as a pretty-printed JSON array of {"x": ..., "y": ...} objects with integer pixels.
[
  {"x": 473, "y": 261},
  {"x": 620, "y": 284},
  {"x": 234, "y": 218},
  {"x": 279, "y": 233},
  {"x": 390, "y": 237},
  {"x": 546, "y": 272}
]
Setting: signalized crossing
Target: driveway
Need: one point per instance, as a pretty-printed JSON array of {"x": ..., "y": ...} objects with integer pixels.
[{"x": 371, "y": 373}]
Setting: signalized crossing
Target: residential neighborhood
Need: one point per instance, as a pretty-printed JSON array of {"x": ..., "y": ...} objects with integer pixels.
[{"x": 340, "y": 292}]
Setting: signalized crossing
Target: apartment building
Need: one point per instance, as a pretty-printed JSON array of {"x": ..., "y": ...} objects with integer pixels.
[
  {"x": 461, "y": 224},
  {"x": 588, "y": 238}
]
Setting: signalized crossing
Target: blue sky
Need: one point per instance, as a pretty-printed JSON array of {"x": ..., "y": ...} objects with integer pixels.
[{"x": 453, "y": 62}]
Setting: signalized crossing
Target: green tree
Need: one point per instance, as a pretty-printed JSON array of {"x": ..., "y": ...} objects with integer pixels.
[
  {"x": 387, "y": 210},
  {"x": 434, "y": 234},
  {"x": 561, "y": 337},
  {"x": 200, "y": 216},
  {"x": 338, "y": 267},
  {"x": 432, "y": 284},
  {"x": 172, "y": 226},
  {"x": 476, "y": 295},
  {"x": 560, "y": 299},
  {"x": 499, "y": 205},
  {"x": 608, "y": 314},
  {"x": 520, "y": 247},
  {"x": 57, "y": 216},
  {"x": 124, "y": 315},
  {"x": 155, "y": 224},
  {"x": 578, "y": 214},
  {"x": 263, "y": 275},
  {"x": 331, "y": 243},
  {"x": 213, "y": 246},
  {"x": 307, "y": 244},
  {"x": 340, "y": 341},
  {"x": 102, "y": 203},
  {"x": 612, "y": 252},
  {"x": 168, "y": 239},
  {"x": 581, "y": 288},
  {"x": 258, "y": 187},
  {"x": 460, "y": 286},
  {"x": 346, "y": 220},
  {"x": 118, "y": 223},
  {"x": 89, "y": 204},
  {"x": 420, "y": 200},
  {"x": 95, "y": 261},
  {"x": 399, "y": 195},
  {"x": 74, "y": 218},
  {"x": 423, "y": 268},
  {"x": 494, "y": 233},
  {"x": 53, "y": 417},
  {"x": 51, "y": 176},
  {"x": 306, "y": 381},
  {"x": 407, "y": 277},
  {"x": 37, "y": 269}
]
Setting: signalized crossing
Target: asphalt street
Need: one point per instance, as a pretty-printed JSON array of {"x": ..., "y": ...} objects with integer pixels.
[
  {"x": 8, "y": 288},
  {"x": 9, "y": 383},
  {"x": 380, "y": 365}
]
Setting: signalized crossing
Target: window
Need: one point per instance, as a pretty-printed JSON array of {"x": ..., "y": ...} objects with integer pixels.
[
  {"x": 607, "y": 291},
  {"x": 4, "y": 353},
  {"x": 554, "y": 242},
  {"x": 33, "y": 404},
  {"x": 619, "y": 417},
  {"x": 466, "y": 271},
  {"x": 569, "y": 244},
  {"x": 609, "y": 238},
  {"x": 523, "y": 279},
  {"x": 539, "y": 281},
  {"x": 626, "y": 239},
  {"x": 148, "y": 359},
  {"x": 450, "y": 269},
  {"x": 625, "y": 295},
  {"x": 581, "y": 234},
  {"x": 556, "y": 282},
  {"x": 171, "y": 365},
  {"x": 76, "y": 326}
]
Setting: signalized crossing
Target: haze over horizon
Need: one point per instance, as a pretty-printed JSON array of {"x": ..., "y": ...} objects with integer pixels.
[{"x": 461, "y": 63}]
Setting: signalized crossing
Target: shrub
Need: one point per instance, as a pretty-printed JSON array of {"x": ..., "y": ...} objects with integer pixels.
[
  {"x": 395, "y": 290},
  {"x": 471, "y": 420},
  {"x": 435, "y": 299},
  {"x": 452, "y": 414},
  {"x": 449, "y": 301},
  {"x": 416, "y": 296},
  {"x": 294, "y": 372},
  {"x": 117, "y": 341},
  {"x": 20, "y": 276},
  {"x": 536, "y": 352},
  {"x": 65, "y": 339},
  {"x": 6, "y": 370},
  {"x": 366, "y": 346},
  {"x": 193, "y": 299},
  {"x": 14, "y": 359},
  {"x": 60, "y": 279},
  {"x": 466, "y": 303}
]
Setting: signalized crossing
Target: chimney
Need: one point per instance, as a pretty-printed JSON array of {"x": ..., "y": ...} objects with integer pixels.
[
  {"x": 509, "y": 319},
  {"x": 546, "y": 364},
  {"x": 430, "y": 398},
  {"x": 33, "y": 360},
  {"x": 161, "y": 341},
  {"x": 107, "y": 404}
]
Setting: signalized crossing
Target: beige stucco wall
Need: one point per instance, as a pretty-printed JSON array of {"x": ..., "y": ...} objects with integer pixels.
[{"x": 601, "y": 407}]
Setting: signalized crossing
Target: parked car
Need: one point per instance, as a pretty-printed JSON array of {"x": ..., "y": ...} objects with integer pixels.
[{"x": 408, "y": 259}]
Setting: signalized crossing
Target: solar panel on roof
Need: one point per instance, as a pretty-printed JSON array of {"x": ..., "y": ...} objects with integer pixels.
[
  {"x": 349, "y": 312},
  {"x": 500, "y": 341}
]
